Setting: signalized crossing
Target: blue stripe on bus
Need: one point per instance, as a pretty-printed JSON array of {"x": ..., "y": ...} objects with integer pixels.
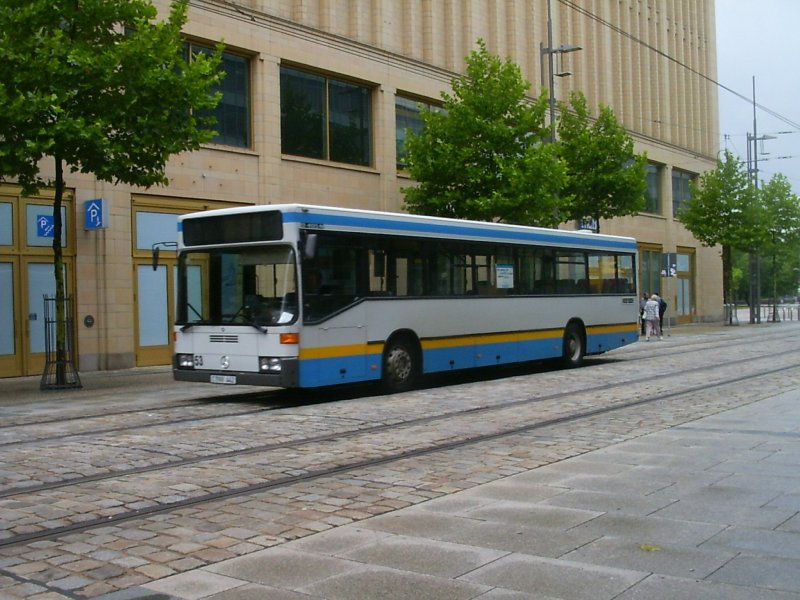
[
  {"x": 484, "y": 355},
  {"x": 603, "y": 342},
  {"x": 318, "y": 372},
  {"x": 454, "y": 230}
]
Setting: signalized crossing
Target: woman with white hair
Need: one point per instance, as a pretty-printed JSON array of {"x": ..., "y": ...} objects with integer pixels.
[{"x": 652, "y": 321}]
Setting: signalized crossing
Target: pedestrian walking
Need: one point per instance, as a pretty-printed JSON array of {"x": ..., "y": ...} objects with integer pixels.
[
  {"x": 651, "y": 319},
  {"x": 662, "y": 308},
  {"x": 642, "y": 302}
]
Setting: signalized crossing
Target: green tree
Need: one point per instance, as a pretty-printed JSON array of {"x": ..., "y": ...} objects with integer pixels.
[
  {"x": 484, "y": 157},
  {"x": 606, "y": 178},
  {"x": 100, "y": 87},
  {"x": 723, "y": 211},
  {"x": 780, "y": 228}
]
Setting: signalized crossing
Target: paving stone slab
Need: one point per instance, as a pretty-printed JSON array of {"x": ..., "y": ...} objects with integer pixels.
[
  {"x": 636, "y": 554},
  {"x": 558, "y": 578},
  {"x": 419, "y": 555},
  {"x": 284, "y": 568},
  {"x": 664, "y": 587},
  {"x": 771, "y": 573},
  {"x": 390, "y": 584}
]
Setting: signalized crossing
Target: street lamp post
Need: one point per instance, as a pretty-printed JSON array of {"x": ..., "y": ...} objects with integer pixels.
[
  {"x": 755, "y": 257},
  {"x": 550, "y": 52}
]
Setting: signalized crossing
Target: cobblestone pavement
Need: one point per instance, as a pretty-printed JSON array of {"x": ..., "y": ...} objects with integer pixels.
[{"x": 159, "y": 455}]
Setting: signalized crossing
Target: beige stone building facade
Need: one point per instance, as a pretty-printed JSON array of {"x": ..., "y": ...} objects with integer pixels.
[{"x": 317, "y": 99}]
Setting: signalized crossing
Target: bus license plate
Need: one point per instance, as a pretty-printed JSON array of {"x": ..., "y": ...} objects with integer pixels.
[{"x": 226, "y": 379}]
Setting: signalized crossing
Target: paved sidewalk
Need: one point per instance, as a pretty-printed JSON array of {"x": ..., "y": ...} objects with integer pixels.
[
  {"x": 101, "y": 386},
  {"x": 707, "y": 510}
]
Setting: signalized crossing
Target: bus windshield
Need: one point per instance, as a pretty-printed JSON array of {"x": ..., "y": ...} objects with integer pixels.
[{"x": 254, "y": 285}]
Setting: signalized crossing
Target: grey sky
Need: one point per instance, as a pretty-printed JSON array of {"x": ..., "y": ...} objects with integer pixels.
[{"x": 759, "y": 38}]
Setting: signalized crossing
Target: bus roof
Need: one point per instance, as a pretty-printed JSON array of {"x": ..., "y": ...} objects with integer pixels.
[{"x": 331, "y": 218}]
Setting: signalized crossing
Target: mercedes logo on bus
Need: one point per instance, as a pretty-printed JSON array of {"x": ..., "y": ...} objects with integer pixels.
[{"x": 224, "y": 362}]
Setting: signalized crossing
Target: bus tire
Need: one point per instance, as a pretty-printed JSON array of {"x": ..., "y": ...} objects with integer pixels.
[
  {"x": 574, "y": 346},
  {"x": 401, "y": 365}
]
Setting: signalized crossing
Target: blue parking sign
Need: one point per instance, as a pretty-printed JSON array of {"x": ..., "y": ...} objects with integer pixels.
[
  {"x": 45, "y": 226},
  {"x": 95, "y": 214}
]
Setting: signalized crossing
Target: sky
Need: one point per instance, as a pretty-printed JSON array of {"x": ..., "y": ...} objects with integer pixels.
[{"x": 759, "y": 38}]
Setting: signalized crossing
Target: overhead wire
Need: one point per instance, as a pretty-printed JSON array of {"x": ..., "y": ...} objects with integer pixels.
[{"x": 587, "y": 13}]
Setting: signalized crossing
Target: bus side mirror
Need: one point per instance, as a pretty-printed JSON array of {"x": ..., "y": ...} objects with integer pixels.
[
  {"x": 310, "y": 246},
  {"x": 157, "y": 250}
]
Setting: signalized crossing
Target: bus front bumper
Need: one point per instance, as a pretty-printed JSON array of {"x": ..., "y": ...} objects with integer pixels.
[{"x": 286, "y": 378}]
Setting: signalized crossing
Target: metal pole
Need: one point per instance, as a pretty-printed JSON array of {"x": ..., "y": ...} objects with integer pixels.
[
  {"x": 551, "y": 72},
  {"x": 757, "y": 257}
]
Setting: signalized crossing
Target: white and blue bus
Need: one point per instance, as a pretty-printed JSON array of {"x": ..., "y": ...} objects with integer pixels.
[{"x": 310, "y": 296}]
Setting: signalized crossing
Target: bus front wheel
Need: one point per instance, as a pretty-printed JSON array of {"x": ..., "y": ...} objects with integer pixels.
[
  {"x": 401, "y": 365},
  {"x": 574, "y": 346}
]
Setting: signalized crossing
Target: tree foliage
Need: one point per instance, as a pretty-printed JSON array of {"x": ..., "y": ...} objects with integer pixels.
[
  {"x": 723, "y": 212},
  {"x": 779, "y": 223},
  {"x": 489, "y": 156},
  {"x": 483, "y": 157},
  {"x": 779, "y": 229},
  {"x": 726, "y": 209},
  {"x": 101, "y": 87},
  {"x": 723, "y": 209},
  {"x": 606, "y": 178}
]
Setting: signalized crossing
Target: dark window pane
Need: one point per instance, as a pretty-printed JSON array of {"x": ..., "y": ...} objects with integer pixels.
[
  {"x": 233, "y": 114},
  {"x": 233, "y": 111},
  {"x": 653, "y": 197},
  {"x": 680, "y": 191},
  {"x": 349, "y": 123},
  {"x": 303, "y": 114},
  {"x": 406, "y": 118}
]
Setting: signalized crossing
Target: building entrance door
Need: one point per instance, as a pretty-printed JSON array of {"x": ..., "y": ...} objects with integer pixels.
[
  {"x": 155, "y": 302},
  {"x": 11, "y": 364},
  {"x": 22, "y": 293}
]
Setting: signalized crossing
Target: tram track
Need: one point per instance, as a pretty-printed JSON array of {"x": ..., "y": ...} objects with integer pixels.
[
  {"x": 340, "y": 466},
  {"x": 171, "y": 460},
  {"x": 153, "y": 415}
]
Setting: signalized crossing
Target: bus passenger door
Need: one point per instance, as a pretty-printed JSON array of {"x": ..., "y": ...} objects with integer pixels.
[{"x": 342, "y": 354}]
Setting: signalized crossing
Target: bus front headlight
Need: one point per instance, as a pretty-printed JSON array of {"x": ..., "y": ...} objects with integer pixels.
[
  {"x": 269, "y": 364},
  {"x": 186, "y": 361}
]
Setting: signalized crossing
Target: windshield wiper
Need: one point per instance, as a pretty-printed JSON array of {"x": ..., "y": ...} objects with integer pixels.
[{"x": 261, "y": 328}]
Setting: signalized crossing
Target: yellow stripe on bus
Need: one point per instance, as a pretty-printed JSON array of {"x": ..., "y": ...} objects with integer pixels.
[
  {"x": 465, "y": 340},
  {"x": 348, "y": 350},
  {"x": 491, "y": 338},
  {"x": 624, "y": 328}
]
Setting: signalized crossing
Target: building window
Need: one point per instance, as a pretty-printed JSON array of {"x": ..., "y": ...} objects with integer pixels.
[
  {"x": 407, "y": 118},
  {"x": 233, "y": 111},
  {"x": 680, "y": 190},
  {"x": 325, "y": 118},
  {"x": 6, "y": 224},
  {"x": 653, "y": 196},
  {"x": 650, "y": 280}
]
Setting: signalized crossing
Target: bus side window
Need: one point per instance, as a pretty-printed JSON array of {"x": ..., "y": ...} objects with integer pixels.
[
  {"x": 545, "y": 272},
  {"x": 378, "y": 279}
]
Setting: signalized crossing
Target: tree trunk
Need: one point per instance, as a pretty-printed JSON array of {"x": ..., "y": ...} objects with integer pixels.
[
  {"x": 727, "y": 284},
  {"x": 58, "y": 268},
  {"x": 775, "y": 318}
]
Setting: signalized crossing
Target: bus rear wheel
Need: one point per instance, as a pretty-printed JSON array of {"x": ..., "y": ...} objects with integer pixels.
[
  {"x": 574, "y": 346},
  {"x": 401, "y": 366}
]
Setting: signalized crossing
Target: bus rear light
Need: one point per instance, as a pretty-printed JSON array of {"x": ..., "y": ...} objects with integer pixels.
[{"x": 290, "y": 338}]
